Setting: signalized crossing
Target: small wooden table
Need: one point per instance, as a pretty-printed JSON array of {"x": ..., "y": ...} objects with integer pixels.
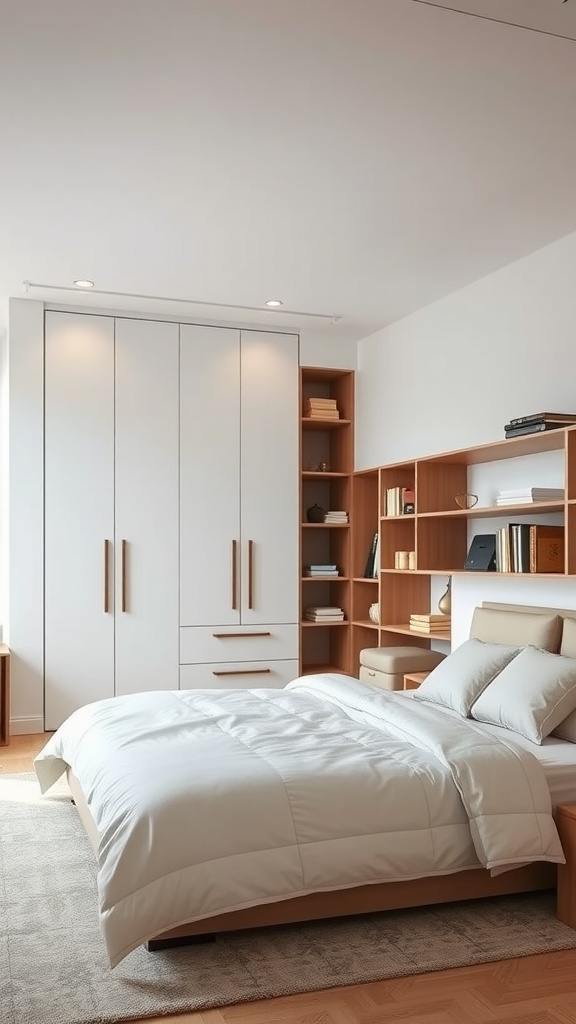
[
  {"x": 412, "y": 680},
  {"x": 4, "y": 695}
]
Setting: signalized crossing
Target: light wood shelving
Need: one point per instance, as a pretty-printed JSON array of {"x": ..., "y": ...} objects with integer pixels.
[
  {"x": 439, "y": 532},
  {"x": 326, "y": 647}
]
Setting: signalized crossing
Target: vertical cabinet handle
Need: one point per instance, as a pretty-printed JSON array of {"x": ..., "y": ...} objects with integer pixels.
[
  {"x": 106, "y": 578},
  {"x": 234, "y": 576},
  {"x": 124, "y": 573},
  {"x": 250, "y": 573}
]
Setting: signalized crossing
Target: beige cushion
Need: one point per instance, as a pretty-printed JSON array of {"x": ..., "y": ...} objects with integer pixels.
[
  {"x": 531, "y": 695},
  {"x": 567, "y": 729},
  {"x": 517, "y": 628},
  {"x": 568, "y": 642},
  {"x": 400, "y": 659},
  {"x": 463, "y": 675}
]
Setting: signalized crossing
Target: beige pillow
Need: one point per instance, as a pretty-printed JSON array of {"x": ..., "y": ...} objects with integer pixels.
[
  {"x": 531, "y": 695},
  {"x": 567, "y": 729},
  {"x": 517, "y": 628},
  {"x": 568, "y": 643},
  {"x": 458, "y": 680}
]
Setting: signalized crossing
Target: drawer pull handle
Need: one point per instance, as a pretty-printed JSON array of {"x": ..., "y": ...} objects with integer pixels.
[
  {"x": 243, "y": 672},
  {"x": 224, "y": 636}
]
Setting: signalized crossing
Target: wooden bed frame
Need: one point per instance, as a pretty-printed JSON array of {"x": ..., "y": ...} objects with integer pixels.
[{"x": 363, "y": 899}]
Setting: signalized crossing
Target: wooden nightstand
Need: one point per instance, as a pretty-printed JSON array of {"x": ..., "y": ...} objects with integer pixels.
[
  {"x": 412, "y": 680},
  {"x": 4, "y": 695}
]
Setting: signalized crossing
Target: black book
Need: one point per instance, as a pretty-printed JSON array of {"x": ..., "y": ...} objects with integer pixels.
[
  {"x": 369, "y": 570},
  {"x": 532, "y": 428}
]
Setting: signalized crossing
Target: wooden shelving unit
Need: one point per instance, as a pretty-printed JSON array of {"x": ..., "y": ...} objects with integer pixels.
[
  {"x": 439, "y": 531},
  {"x": 329, "y": 444}
]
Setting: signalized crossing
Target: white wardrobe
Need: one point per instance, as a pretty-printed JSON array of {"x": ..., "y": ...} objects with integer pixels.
[
  {"x": 170, "y": 508},
  {"x": 239, "y": 507},
  {"x": 110, "y": 509}
]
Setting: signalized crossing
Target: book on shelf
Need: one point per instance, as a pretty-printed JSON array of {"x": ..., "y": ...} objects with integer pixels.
[
  {"x": 430, "y": 627},
  {"x": 546, "y": 546},
  {"x": 322, "y": 403},
  {"x": 407, "y": 498},
  {"x": 534, "y": 428},
  {"x": 371, "y": 559},
  {"x": 562, "y": 417},
  {"x": 322, "y": 414},
  {"x": 429, "y": 617},
  {"x": 526, "y": 495},
  {"x": 376, "y": 565}
]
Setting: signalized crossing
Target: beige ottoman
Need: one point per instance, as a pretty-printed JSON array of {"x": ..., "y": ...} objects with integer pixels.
[{"x": 385, "y": 666}]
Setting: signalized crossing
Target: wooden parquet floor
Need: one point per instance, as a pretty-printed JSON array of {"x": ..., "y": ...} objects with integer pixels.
[{"x": 528, "y": 990}]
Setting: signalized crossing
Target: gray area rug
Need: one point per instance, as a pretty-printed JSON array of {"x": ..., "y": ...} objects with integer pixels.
[{"x": 53, "y": 965}]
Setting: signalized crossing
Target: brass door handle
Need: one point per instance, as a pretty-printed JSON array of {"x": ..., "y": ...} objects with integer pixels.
[
  {"x": 234, "y": 576},
  {"x": 106, "y": 577},
  {"x": 250, "y": 573},
  {"x": 124, "y": 575}
]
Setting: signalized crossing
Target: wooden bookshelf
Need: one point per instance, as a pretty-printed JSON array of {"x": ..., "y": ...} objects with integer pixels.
[
  {"x": 439, "y": 532},
  {"x": 326, "y": 472}
]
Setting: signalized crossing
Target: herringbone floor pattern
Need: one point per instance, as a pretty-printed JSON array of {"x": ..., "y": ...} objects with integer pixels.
[{"x": 529, "y": 990}]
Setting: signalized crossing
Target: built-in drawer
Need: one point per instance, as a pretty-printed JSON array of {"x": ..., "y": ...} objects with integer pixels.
[
  {"x": 200, "y": 644},
  {"x": 237, "y": 675}
]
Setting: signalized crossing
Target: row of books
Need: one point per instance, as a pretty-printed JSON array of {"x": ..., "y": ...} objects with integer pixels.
[
  {"x": 526, "y": 495},
  {"x": 399, "y": 501},
  {"x": 321, "y": 408},
  {"x": 525, "y": 547},
  {"x": 430, "y": 623},
  {"x": 322, "y": 569},
  {"x": 324, "y": 613},
  {"x": 538, "y": 421}
]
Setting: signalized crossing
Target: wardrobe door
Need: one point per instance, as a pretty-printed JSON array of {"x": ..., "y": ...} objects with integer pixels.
[
  {"x": 79, "y": 512},
  {"x": 146, "y": 522},
  {"x": 209, "y": 476},
  {"x": 270, "y": 484}
]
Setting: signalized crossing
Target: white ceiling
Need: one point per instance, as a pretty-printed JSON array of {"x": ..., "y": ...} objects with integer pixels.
[{"x": 352, "y": 158}]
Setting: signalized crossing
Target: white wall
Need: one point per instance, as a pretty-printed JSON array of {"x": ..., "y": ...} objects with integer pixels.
[{"x": 452, "y": 374}]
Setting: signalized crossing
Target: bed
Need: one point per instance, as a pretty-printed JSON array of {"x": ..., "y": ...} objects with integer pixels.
[{"x": 217, "y": 810}]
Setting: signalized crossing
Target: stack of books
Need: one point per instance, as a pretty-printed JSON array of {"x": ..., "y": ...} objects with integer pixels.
[
  {"x": 321, "y": 569},
  {"x": 336, "y": 517},
  {"x": 324, "y": 613},
  {"x": 321, "y": 409},
  {"x": 526, "y": 495},
  {"x": 538, "y": 421},
  {"x": 431, "y": 623}
]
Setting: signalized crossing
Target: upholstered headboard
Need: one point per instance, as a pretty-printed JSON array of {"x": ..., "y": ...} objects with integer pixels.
[{"x": 552, "y": 629}]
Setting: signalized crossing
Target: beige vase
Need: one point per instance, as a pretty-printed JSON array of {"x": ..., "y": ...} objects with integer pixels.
[{"x": 445, "y": 602}]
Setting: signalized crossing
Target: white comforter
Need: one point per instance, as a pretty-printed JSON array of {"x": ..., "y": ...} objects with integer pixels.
[{"x": 208, "y": 801}]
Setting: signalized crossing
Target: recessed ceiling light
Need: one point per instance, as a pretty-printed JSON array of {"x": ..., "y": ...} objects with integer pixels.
[
  {"x": 84, "y": 284},
  {"x": 273, "y": 302}
]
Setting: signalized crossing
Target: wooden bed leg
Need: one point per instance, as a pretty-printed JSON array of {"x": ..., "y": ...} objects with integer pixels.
[
  {"x": 154, "y": 945},
  {"x": 566, "y": 894}
]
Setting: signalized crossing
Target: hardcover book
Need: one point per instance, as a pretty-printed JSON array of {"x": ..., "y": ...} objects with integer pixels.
[
  {"x": 562, "y": 417},
  {"x": 546, "y": 548}
]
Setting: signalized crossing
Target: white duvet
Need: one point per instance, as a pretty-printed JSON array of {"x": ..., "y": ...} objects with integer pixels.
[{"x": 208, "y": 801}]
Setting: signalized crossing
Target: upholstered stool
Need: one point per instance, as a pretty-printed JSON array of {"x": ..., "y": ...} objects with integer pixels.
[{"x": 385, "y": 666}]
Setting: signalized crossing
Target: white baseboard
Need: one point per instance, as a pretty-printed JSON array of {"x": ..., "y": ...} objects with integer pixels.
[{"x": 26, "y": 726}]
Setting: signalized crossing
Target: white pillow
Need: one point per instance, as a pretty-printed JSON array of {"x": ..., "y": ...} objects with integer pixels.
[
  {"x": 531, "y": 695},
  {"x": 458, "y": 680}
]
